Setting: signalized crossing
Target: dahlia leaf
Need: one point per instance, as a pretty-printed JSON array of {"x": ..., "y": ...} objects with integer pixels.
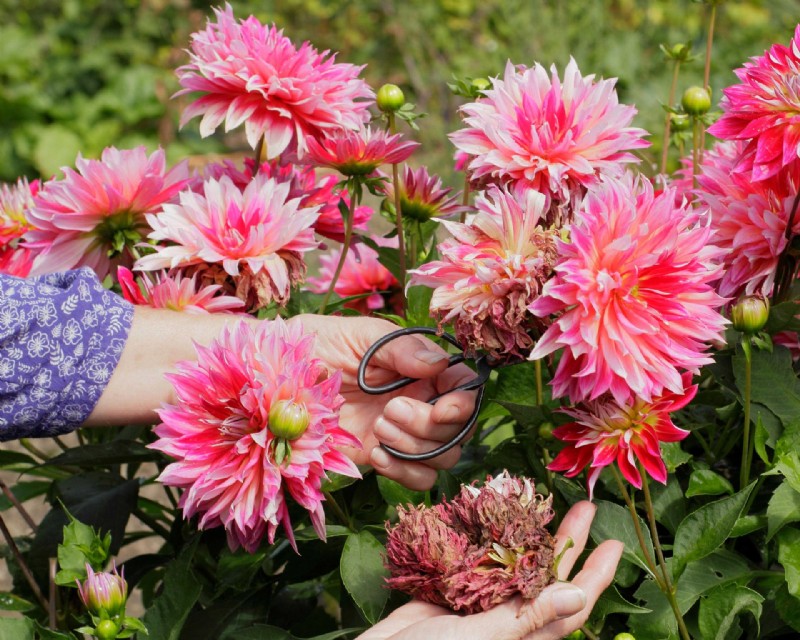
[
  {"x": 704, "y": 482},
  {"x": 722, "y": 606},
  {"x": 789, "y": 557},
  {"x": 363, "y": 574},
  {"x": 783, "y": 508},
  {"x": 613, "y": 522},
  {"x": 16, "y": 629},
  {"x": 12, "y": 602},
  {"x": 774, "y": 383}
]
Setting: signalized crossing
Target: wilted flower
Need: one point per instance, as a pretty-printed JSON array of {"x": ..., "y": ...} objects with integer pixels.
[
  {"x": 99, "y": 210},
  {"x": 553, "y": 136},
  {"x": 15, "y": 201},
  {"x": 252, "y": 74},
  {"x": 176, "y": 292},
  {"x": 482, "y": 548},
  {"x": 235, "y": 471},
  {"x": 103, "y": 593},
  {"x": 606, "y": 431},
  {"x": 256, "y": 236},
  {"x": 359, "y": 153},
  {"x": 491, "y": 270},
  {"x": 764, "y": 111},
  {"x": 632, "y": 288},
  {"x": 362, "y": 274},
  {"x": 422, "y": 196}
]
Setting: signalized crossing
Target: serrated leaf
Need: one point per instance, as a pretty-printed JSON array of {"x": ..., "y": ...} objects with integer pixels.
[
  {"x": 783, "y": 508},
  {"x": 612, "y": 602},
  {"x": 789, "y": 557},
  {"x": 363, "y": 574},
  {"x": 674, "y": 456},
  {"x": 704, "y": 482},
  {"x": 773, "y": 381},
  {"x": 614, "y": 522},
  {"x": 418, "y": 306},
  {"x": 721, "y": 608},
  {"x": 396, "y": 494},
  {"x": 669, "y": 505}
]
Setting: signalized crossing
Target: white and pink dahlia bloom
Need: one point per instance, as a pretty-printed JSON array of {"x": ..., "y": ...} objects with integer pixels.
[
  {"x": 555, "y": 136},
  {"x": 632, "y": 297},
  {"x": 764, "y": 111},
  {"x": 15, "y": 201},
  {"x": 256, "y": 236},
  {"x": 235, "y": 472},
  {"x": 250, "y": 73},
  {"x": 176, "y": 292},
  {"x": 359, "y": 153},
  {"x": 491, "y": 270},
  {"x": 362, "y": 275},
  {"x": 93, "y": 215}
]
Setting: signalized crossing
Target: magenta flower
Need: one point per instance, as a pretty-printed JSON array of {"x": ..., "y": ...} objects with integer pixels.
[
  {"x": 422, "y": 196},
  {"x": 16, "y": 261},
  {"x": 256, "y": 236},
  {"x": 104, "y": 593},
  {"x": 15, "y": 201},
  {"x": 764, "y": 111},
  {"x": 633, "y": 296},
  {"x": 606, "y": 431},
  {"x": 176, "y": 292},
  {"x": 235, "y": 471},
  {"x": 99, "y": 210},
  {"x": 359, "y": 153},
  {"x": 361, "y": 275},
  {"x": 491, "y": 270},
  {"x": 556, "y": 137},
  {"x": 250, "y": 73},
  {"x": 482, "y": 548}
]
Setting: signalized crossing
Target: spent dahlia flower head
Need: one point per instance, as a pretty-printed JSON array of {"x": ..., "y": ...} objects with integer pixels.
[
  {"x": 235, "y": 471},
  {"x": 256, "y": 237},
  {"x": 555, "y": 136},
  {"x": 605, "y": 432},
  {"x": 15, "y": 201},
  {"x": 764, "y": 111},
  {"x": 632, "y": 296},
  {"x": 477, "y": 550},
  {"x": 176, "y": 292},
  {"x": 422, "y": 196},
  {"x": 95, "y": 214},
  {"x": 491, "y": 270},
  {"x": 251, "y": 73},
  {"x": 362, "y": 275},
  {"x": 358, "y": 153}
]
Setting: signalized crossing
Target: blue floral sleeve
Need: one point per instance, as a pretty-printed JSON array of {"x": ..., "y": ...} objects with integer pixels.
[{"x": 61, "y": 336}]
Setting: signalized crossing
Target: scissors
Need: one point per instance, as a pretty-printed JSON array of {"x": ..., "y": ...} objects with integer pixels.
[{"x": 483, "y": 368}]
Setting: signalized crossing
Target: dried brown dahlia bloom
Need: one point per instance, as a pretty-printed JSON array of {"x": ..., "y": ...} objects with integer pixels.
[{"x": 477, "y": 550}]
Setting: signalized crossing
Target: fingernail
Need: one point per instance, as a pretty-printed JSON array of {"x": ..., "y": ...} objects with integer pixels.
[
  {"x": 387, "y": 432},
  {"x": 399, "y": 411},
  {"x": 568, "y": 600},
  {"x": 380, "y": 459},
  {"x": 430, "y": 357}
]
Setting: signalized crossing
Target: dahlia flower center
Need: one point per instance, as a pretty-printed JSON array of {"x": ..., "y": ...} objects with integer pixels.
[
  {"x": 119, "y": 230},
  {"x": 418, "y": 210}
]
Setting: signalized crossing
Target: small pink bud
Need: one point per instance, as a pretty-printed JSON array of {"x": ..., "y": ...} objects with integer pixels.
[
  {"x": 104, "y": 592},
  {"x": 288, "y": 420}
]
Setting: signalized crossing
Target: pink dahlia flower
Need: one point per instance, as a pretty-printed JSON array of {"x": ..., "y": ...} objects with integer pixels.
[
  {"x": 235, "y": 471},
  {"x": 99, "y": 210},
  {"x": 362, "y": 275},
  {"x": 632, "y": 296},
  {"x": 482, "y": 548},
  {"x": 104, "y": 593},
  {"x": 15, "y": 201},
  {"x": 250, "y": 73},
  {"x": 764, "y": 111},
  {"x": 491, "y": 270},
  {"x": 16, "y": 261},
  {"x": 359, "y": 153},
  {"x": 256, "y": 236},
  {"x": 422, "y": 196},
  {"x": 176, "y": 292},
  {"x": 553, "y": 136},
  {"x": 606, "y": 431}
]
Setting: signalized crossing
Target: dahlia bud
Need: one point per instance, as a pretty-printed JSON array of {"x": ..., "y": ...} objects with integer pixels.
[
  {"x": 390, "y": 98},
  {"x": 679, "y": 121},
  {"x": 480, "y": 84},
  {"x": 288, "y": 420},
  {"x": 546, "y": 430},
  {"x": 106, "y": 630},
  {"x": 624, "y": 636},
  {"x": 103, "y": 593},
  {"x": 750, "y": 314},
  {"x": 696, "y": 101}
]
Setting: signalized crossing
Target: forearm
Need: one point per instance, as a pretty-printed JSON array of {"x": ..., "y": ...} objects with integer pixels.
[{"x": 158, "y": 339}]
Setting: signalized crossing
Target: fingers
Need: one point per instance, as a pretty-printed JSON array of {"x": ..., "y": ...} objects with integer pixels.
[
  {"x": 417, "y": 476},
  {"x": 411, "y": 356},
  {"x": 575, "y": 526},
  {"x": 439, "y": 423}
]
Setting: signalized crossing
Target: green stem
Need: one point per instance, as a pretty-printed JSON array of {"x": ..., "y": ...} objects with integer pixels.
[
  {"x": 706, "y": 448},
  {"x": 156, "y": 526},
  {"x": 12, "y": 545},
  {"x": 337, "y": 510},
  {"x": 707, "y": 71},
  {"x": 695, "y": 150},
  {"x": 539, "y": 389},
  {"x": 668, "y": 589},
  {"x": 589, "y": 634},
  {"x": 37, "y": 453},
  {"x": 637, "y": 527},
  {"x": 348, "y": 236},
  {"x": 667, "y": 121},
  {"x": 18, "y": 506},
  {"x": 398, "y": 214},
  {"x": 747, "y": 444}
]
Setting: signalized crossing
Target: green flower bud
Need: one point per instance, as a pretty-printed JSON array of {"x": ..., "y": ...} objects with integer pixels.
[
  {"x": 624, "y": 636},
  {"x": 750, "y": 314},
  {"x": 696, "y": 101},
  {"x": 288, "y": 420},
  {"x": 480, "y": 84},
  {"x": 576, "y": 635},
  {"x": 679, "y": 121},
  {"x": 106, "y": 630},
  {"x": 546, "y": 430},
  {"x": 390, "y": 98}
]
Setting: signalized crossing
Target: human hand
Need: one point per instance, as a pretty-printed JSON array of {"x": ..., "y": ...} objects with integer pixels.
[
  {"x": 401, "y": 419},
  {"x": 559, "y": 610}
]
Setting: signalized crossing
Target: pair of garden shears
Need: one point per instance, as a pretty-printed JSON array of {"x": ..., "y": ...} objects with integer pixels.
[{"x": 483, "y": 368}]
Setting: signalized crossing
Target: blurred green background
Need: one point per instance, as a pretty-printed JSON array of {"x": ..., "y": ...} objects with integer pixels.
[{"x": 79, "y": 75}]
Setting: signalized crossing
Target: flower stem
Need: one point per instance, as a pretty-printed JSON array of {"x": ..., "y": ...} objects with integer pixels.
[
  {"x": 668, "y": 589},
  {"x": 696, "y": 128},
  {"x": 348, "y": 236},
  {"x": 23, "y": 566},
  {"x": 589, "y": 634},
  {"x": 337, "y": 510},
  {"x": 707, "y": 71},
  {"x": 667, "y": 121},
  {"x": 18, "y": 506},
  {"x": 38, "y": 453},
  {"x": 398, "y": 214},
  {"x": 747, "y": 444}
]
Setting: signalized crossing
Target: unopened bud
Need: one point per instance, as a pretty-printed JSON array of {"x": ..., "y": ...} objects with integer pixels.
[
  {"x": 624, "y": 636},
  {"x": 106, "y": 630},
  {"x": 750, "y": 314},
  {"x": 103, "y": 592},
  {"x": 679, "y": 121},
  {"x": 480, "y": 84},
  {"x": 288, "y": 419},
  {"x": 390, "y": 98},
  {"x": 696, "y": 101}
]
